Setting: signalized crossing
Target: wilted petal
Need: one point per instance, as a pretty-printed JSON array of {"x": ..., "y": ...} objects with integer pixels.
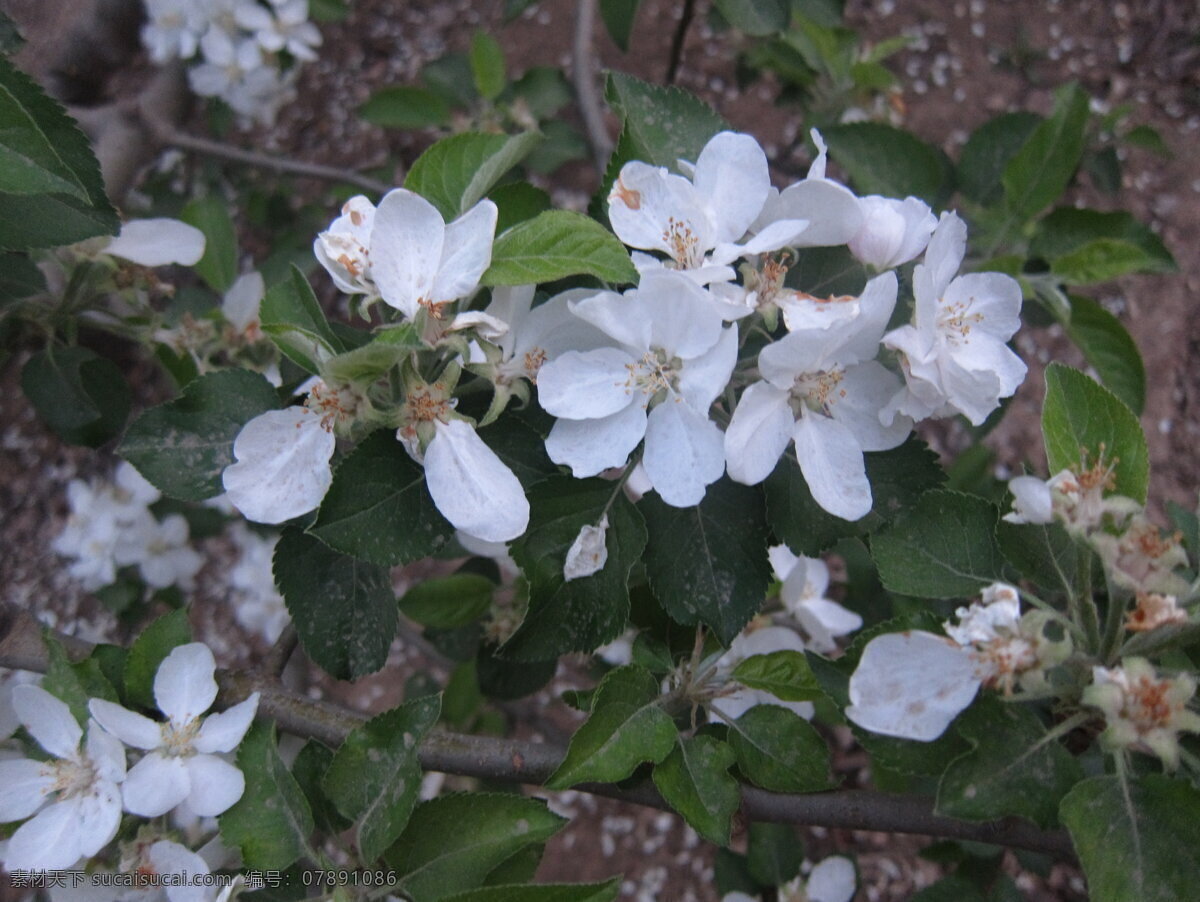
[
  {"x": 589, "y": 447},
  {"x": 155, "y": 785},
  {"x": 758, "y": 433},
  {"x": 407, "y": 241},
  {"x": 222, "y": 732},
  {"x": 466, "y": 252},
  {"x": 911, "y": 685},
  {"x": 588, "y": 553},
  {"x": 684, "y": 453},
  {"x": 215, "y": 785},
  {"x": 731, "y": 175},
  {"x": 832, "y": 463},
  {"x": 158, "y": 242},
  {"x": 832, "y": 880},
  {"x": 48, "y": 720},
  {"x": 587, "y": 385},
  {"x": 133, "y": 729},
  {"x": 1032, "y": 502},
  {"x": 472, "y": 487},
  {"x": 185, "y": 687},
  {"x": 282, "y": 468},
  {"x": 24, "y": 787}
]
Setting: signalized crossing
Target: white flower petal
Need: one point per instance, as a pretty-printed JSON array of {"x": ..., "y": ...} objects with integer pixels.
[
  {"x": 171, "y": 858},
  {"x": 106, "y": 752},
  {"x": 825, "y": 620},
  {"x": 1032, "y": 502},
  {"x": 832, "y": 211},
  {"x": 758, "y": 433},
  {"x": 893, "y": 231},
  {"x": 778, "y": 234},
  {"x": 24, "y": 787},
  {"x": 407, "y": 241},
  {"x": 991, "y": 302},
  {"x": 133, "y": 729},
  {"x": 589, "y": 447},
  {"x": 703, "y": 378},
  {"x": 242, "y": 300},
  {"x": 222, "y": 732},
  {"x": 98, "y": 816},
  {"x": 48, "y": 720},
  {"x": 616, "y": 315},
  {"x": 783, "y": 560},
  {"x": 48, "y": 842},
  {"x": 652, "y": 209},
  {"x": 911, "y": 685},
  {"x": 472, "y": 487},
  {"x": 587, "y": 385},
  {"x": 466, "y": 252},
  {"x": 732, "y": 176},
  {"x": 216, "y": 785},
  {"x": 865, "y": 389},
  {"x": 158, "y": 242},
  {"x": 685, "y": 452},
  {"x": 945, "y": 253},
  {"x": 185, "y": 687},
  {"x": 155, "y": 785},
  {"x": 832, "y": 463},
  {"x": 282, "y": 468},
  {"x": 832, "y": 880},
  {"x": 684, "y": 319}
]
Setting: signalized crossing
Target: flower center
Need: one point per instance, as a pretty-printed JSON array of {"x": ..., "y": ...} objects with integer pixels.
[
  {"x": 177, "y": 738},
  {"x": 656, "y": 373},
  {"x": 72, "y": 778},
  {"x": 818, "y": 391},
  {"x": 683, "y": 242},
  {"x": 424, "y": 406},
  {"x": 334, "y": 406},
  {"x": 955, "y": 320}
]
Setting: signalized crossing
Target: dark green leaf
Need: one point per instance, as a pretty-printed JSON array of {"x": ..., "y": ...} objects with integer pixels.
[
  {"x": 785, "y": 674},
  {"x": 1041, "y": 552},
  {"x": 563, "y": 143},
  {"x": 50, "y": 220},
  {"x": 884, "y": 160},
  {"x": 1139, "y": 842},
  {"x": 1150, "y": 139},
  {"x": 19, "y": 278},
  {"x": 544, "y": 90},
  {"x": 450, "y": 77},
  {"x": 487, "y": 66},
  {"x": 556, "y": 244},
  {"x": 774, "y": 853},
  {"x": 271, "y": 823},
  {"x": 517, "y": 202},
  {"x": 544, "y": 892},
  {"x": 1082, "y": 419},
  {"x": 1008, "y": 771},
  {"x": 708, "y": 563},
  {"x": 147, "y": 652},
  {"x": 292, "y": 317},
  {"x": 81, "y": 396},
  {"x": 826, "y": 272},
  {"x": 1069, "y": 229},
  {"x": 945, "y": 547},
  {"x": 618, "y": 16},
  {"x": 627, "y": 727},
  {"x": 405, "y": 106},
  {"x": 456, "y": 172},
  {"x": 183, "y": 446},
  {"x": 309, "y": 770},
  {"x": 695, "y": 781},
  {"x": 662, "y": 125},
  {"x": 1100, "y": 261},
  {"x": 449, "y": 601},
  {"x": 41, "y": 148},
  {"x": 779, "y": 750},
  {"x": 1110, "y": 349},
  {"x": 987, "y": 152},
  {"x": 758, "y": 18},
  {"x": 10, "y": 37},
  {"x": 378, "y": 508},
  {"x": 344, "y": 610},
  {"x": 375, "y": 777},
  {"x": 75, "y": 683},
  {"x": 1040, "y": 171},
  {"x": 906, "y": 756},
  {"x": 506, "y": 680},
  {"x": 327, "y": 10},
  {"x": 522, "y": 450},
  {"x": 219, "y": 265}
]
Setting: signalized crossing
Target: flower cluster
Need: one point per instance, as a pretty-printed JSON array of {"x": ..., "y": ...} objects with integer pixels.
[{"x": 241, "y": 44}]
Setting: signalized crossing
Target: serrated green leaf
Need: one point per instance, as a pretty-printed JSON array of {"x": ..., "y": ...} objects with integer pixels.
[
  {"x": 884, "y": 160},
  {"x": 907, "y": 756},
  {"x": 75, "y": 682},
  {"x": 945, "y": 547},
  {"x": 1110, "y": 350},
  {"x": 291, "y": 316},
  {"x": 344, "y": 609},
  {"x": 405, "y": 106},
  {"x": 378, "y": 508},
  {"x": 1038, "y": 173},
  {"x": 580, "y": 614},
  {"x": 627, "y": 727},
  {"x": 456, "y": 172},
  {"x": 618, "y": 17},
  {"x": 1042, "y": 552},
  {"x": 662, "y": 125},
  {"x": 987, "y": 152},
  {"x": 147, "y": 652},
  {"x": 1067, "y": 230},
  {"x": 520, "y": 448},
  {"x": 1140, "y": 842},
  {"x": 544, "y": 892},
  {"x": 1100, "y": 261},
  {"x": 708, "y": 563},
  {"x": 487, "y": 66},
  {"x": 757, "y": 18},
  {"x": 448, "y": 602},
  {"x": 81, "y": 396},
  {"x": 780, "y": 750},
  {"x": 309, "y": 769},
  {"x": 453, "y": 842},
  {"x": 375, "y": 777},
  {"x": 1081, "y": 418},
  {"x": 556, "y": 244},
  {"x": 271, "y": 823},
  {"x": 50, "y": 220},
  {"x": 10, "y": 37},
  {"x": 774, "y": 854},
  {"x": 785, "y": 674},
  {"x": 506, "y": 680},
  {"x": 695, "y": 780},
  {"x": 182, "y": 446},
  {"x": 219, "y": 265},
  {"x": 38, "y": 142},
  {"x": 1009, "y": 771}
]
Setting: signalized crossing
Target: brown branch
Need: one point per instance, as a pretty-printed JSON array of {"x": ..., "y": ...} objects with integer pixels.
[
  {"x": 584, "y": 78},
  {"x": 520, "y": 761},
  {"x": 685, "y": 21}
]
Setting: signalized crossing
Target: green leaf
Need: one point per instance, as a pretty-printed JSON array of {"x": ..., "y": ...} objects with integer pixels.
[
  {"x": 309, "y": 770},
  {"x": 448, "y": 602},
  {"x": 580, "y": 614},
  {"x": 502, "y": 679},
  {"x": 544, "y": 91},
  {"x": 147, "y": 652},
  {"x": 405, "y": 106},
  {"x": 618, "y": 17},
  {"x": 517, "y": 202},
  {"x": 1148, "y": 138},
  {"x": 375, "y": 777},
  {"x": 1067, "y": 231},
  {"x": 344, "y": 610},
  {"x": 779, "y": 750},
  {"x": 378, "y": 508},
  {"x": 884, "y": 160},
  {"x": 1110, "y": 349},
  {"x": 10, "y": 37},
  {"x": 1081, "y": 418},
  {"x": 75, "y": 683},
  {"x": 1042, "y": 552},
  {"x": 898, "y": 478},
  {"x": 456, "y": 172},
  {"x": 1143, "y": 843},
  {"x": 487, "y": 66},
  {"x": 563, "y": 143},
  {"x": 987, "y": 152},
  {"x": 544, "y": 892},
  {"x": 757, "y": 18},
  {"x": 695, "y": 780},
  {"x": 183, "y": 446},
  {"x": 1100, "y": 261},
  {"x": 454, "y": 841},
  {"x": 19, "y": 278},
  {"x": 219, "y": 265},
  {"x": 1008, "y": 771},
  {"x": 292, "y": 317},
  {"x": 774, "y": 854},
  {"x": 627, "y": 727},
  {"x": 662, "y": 125},
  {"x": 1040, "y": 171},
  {"x": 708, "y": 563},
  {"x": 327, "y": 10},
  {"x": 556, "y": 244},
  {"x": 81, "y": 396},
  {"x": 826, "y": 272},
  {"x": 271, "y": 823},
  {"x": 50, "y": 220},
  {"x": 945, "y": 547},
  {"x": 785, "y": 674}
]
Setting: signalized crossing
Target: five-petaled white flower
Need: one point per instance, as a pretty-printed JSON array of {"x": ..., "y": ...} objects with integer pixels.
[
  {"x": 804, "y": 581},
  {"x": 182, "y": 763}
]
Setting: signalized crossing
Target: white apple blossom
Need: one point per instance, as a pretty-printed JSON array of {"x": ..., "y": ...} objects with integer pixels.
[
  {"x": 733, "y": 703},
  {"x": 182, "y": 763},
  {"x": 832, "y": 879},
  {"x": 954, "y": 356},
  {"x": 284, "y": 26},
  {"x": 157, "y": 242},
  {"x": 173, "y": 29},
  {"x": 804, "y": 582},
  {"x": 73, "y": 796},
  {"x": 893, "y": 231},
  {"x": 823, "y": 390},
  {"x": 257, "y": 604},
  {"x": 161, "y": 552},
  {"x": 344, "y": 248},
  {"x": 675, "y": 358}
]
